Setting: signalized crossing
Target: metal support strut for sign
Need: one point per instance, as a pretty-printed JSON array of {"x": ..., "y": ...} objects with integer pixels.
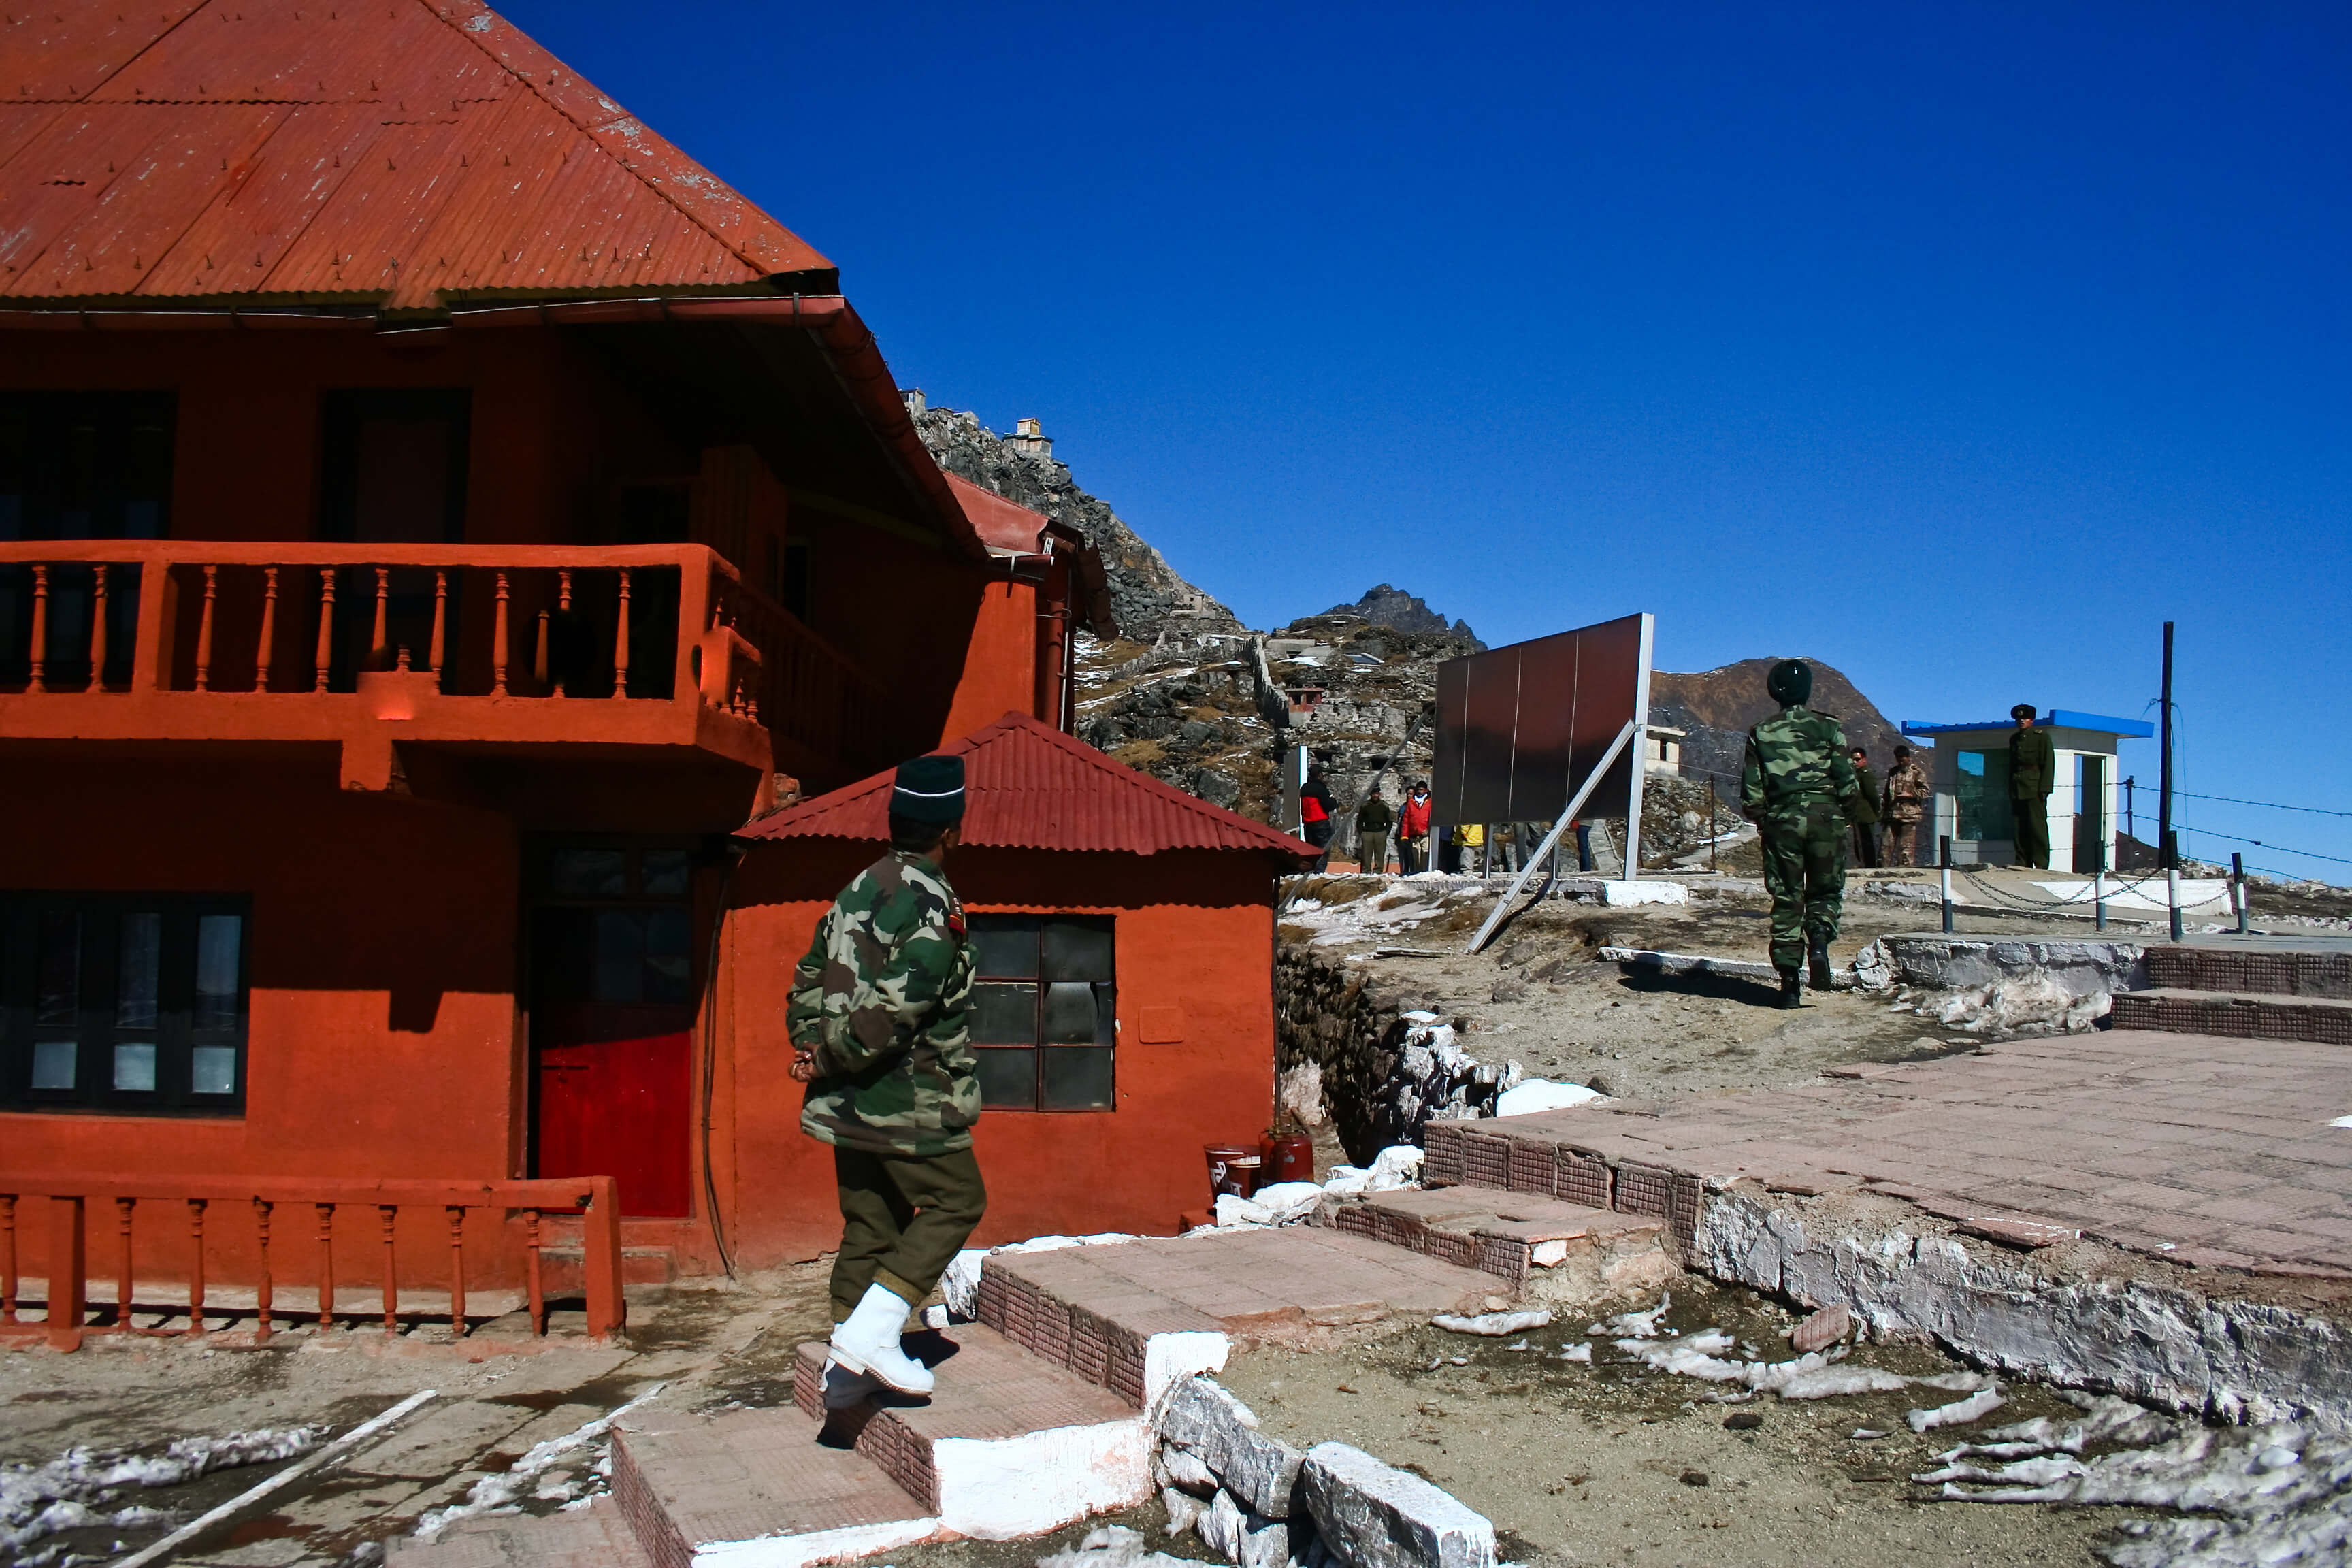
[{"x": 1551, "y": 840}]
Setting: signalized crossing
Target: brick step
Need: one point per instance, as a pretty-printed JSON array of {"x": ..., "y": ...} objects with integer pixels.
[
  {"x": 1137, "y": 1315},
  {"x": 1513, "y": 1236},
  {"x": 2322, "y": 1020},
  {"x": 756, "y": 1485},
  {"x": 1545, "y": 1154},
  {"x": 563, "y": 1270},
  {"x": 597, "y": 1536},
  {"x": 1008, "y": 1445},
  {"x": 2245, "y": 972}
]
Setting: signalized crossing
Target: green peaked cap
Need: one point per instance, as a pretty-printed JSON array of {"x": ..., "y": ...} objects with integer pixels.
[{"x": 929, "y": 789}]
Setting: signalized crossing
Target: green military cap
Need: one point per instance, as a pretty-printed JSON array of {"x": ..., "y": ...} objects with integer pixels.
[
  {"x": 929, "y": 789},
  {"x": 2022, "y": 711},
  {"x": 1790, "y": 682}
]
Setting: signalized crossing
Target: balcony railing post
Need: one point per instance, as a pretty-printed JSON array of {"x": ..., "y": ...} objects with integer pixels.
[
  {"x": 389, "y": 1213},
  {"x": 40, "y": 648},
  {"x": 195, "y": 1265},
  {"x": 205, "y": 630},
  {"x": 265, "y": 654},
  {"x": 563, "y": 605},
  {"x": 68, "y": 1274},
  {"x": 262, "y": 1295},
  {"x": 324, "y": 661},
  {"x": 98, "y": 628},
  {"x": 499, "y": 643},
  {"x": 621, "y": 641},
  {"x": 531, "y": 1272},
  {"x": 326, "y": 1264},
  {"x": 440, "y": 623},
  {"x": 456, "y": 1272},
  {"x": 123, "y": 1207},
  {"x": 379, "y": 636},
  {"x": 701, "y": 601},
  {"x": 7, "y": 1258}
]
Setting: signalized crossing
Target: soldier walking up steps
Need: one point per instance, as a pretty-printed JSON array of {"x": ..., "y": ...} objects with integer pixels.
[
  {"x": 1905, "y": 807},
  {"x": 879, "y": 1020},
  {"x": 1797, "y": 785}
]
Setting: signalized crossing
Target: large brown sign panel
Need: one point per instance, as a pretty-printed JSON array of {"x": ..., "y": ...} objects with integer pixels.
[{"x": 1519, "y": 728}]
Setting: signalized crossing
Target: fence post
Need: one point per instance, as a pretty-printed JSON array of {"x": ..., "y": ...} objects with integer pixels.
[
  {"x": 68, "y": 1274},
  {"x": 1944, "y": 862},
  {"x": 601, "y": 1236},
  {"x": 2238, "y": 888}
]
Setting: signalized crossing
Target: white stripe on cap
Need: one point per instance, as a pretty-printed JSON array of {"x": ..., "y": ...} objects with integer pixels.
[{"x": 929, "y": 794}]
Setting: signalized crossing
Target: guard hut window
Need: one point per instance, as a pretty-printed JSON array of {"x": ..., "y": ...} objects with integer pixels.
[
  {"x": 124, "y": 1004},
  {"x": 1982, "y": 791},
  {"x": 1045, "y": 1010}
]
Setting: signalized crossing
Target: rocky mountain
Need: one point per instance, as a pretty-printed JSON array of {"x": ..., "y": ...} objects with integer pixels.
[
  {"x": 1719, "y": 706},
  {"x": 1148, "y": 596},
  {"x": 1400, "y": 610}
]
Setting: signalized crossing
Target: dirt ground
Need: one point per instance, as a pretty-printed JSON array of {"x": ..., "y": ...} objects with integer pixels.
[
  {"x": 705, "y": 1343},
  {"x": 1613, "y": 1462}
]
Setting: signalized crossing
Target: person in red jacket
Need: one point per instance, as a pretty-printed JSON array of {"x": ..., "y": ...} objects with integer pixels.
[
  {"x": 1316, "y": 812},
  {"x": 1413, "y": 829}
]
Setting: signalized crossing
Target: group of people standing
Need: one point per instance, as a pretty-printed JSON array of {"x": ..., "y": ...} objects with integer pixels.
[{"x": 1886, "y": 816}]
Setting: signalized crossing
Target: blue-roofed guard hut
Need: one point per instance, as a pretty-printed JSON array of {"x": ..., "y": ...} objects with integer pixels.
[{"x": 1971, "y": 769}]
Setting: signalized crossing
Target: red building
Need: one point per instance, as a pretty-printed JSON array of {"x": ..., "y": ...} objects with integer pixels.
[{"x": 435, "y": 513}]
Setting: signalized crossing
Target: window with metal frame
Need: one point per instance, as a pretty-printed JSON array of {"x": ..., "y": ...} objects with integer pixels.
[
  {"x": 1045, "y": 1014},
  {"x": 124, "y": 1003}
]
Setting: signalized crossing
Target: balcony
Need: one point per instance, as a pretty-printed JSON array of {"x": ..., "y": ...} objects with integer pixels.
[{"x": 515, "y": 650}]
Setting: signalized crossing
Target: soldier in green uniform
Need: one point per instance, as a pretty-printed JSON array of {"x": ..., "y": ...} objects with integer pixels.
[
  {"x": 1865, "y": 810},
  {"x": 879, "y": 1020},
  {"x": 2033, "y": 769},
  {"x": 1797, "y": 785}
]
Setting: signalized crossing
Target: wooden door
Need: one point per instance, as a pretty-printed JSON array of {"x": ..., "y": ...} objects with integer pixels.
[{"x": 613, "y": 1007}]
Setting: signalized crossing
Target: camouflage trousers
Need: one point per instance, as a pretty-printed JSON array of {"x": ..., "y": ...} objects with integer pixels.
[
  {"x": 1901, "y": 845},
  {"x": 903, "y": 1219},
  {"x": 1804, "y": 870}
]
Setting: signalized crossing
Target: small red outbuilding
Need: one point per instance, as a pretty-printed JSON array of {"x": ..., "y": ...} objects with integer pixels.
[{"x": 1123, "y": 1009}]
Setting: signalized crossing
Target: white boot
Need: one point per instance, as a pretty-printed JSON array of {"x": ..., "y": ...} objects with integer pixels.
[{"x": 868, "y": 1342}]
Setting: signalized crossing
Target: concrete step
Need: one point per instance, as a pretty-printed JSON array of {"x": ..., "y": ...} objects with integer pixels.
[
  {"x": 1008, "y": 1445},
  {"x": 597, "y": 1536},
  {"x": 1546, "y": 1154},
  {"x": 756, "y": 1487},
  {"x": 2322, "y": 1020},
  {"x": 2249, "y": 970},
  {"x": 1519, "y": 1237}
]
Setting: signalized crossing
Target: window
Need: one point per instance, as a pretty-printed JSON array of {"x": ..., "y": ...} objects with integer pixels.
[
  {"x": 1045, "y": 1010},
  {"x": 127, "y": 1003},
  {"x": 393, "y": 467},
  {"x": 1982, "y": 795},
  {"x": 85, "y": 465},
  {"x": 614, "y": 926}
]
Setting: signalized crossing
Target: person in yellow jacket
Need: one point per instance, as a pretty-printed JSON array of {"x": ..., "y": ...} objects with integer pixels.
[{"x": 1469, "y": 841}]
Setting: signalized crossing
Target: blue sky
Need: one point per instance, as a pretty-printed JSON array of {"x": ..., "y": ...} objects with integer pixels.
[{"x": 1960, "y": 346}]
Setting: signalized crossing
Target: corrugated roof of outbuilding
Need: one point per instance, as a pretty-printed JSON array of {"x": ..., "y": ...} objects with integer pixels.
[
  {"x": 1029, "y": 786},
  {"x": 399, "y": 152}
]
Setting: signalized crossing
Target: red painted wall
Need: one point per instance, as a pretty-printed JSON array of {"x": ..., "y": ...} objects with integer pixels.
[
  {"x": 1000, "y": 670},
  {"x": 1195, "y": 956}
]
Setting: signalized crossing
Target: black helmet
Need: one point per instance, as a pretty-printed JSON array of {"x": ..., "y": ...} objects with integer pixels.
[{"x": 1791, "y": 682}]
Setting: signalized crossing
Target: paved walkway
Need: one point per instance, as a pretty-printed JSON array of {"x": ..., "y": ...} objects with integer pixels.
[{"x": 2212, "y": 1151}]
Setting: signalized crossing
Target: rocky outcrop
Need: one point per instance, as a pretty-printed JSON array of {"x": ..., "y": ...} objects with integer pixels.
[
  {"x": 1147, "y": 596},
  {"x": 1400, "y": 610}
]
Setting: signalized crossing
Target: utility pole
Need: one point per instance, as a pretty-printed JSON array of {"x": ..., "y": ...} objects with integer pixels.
[
  {"x": 2167, "y": 844},
  {"x": 2131, "y": 820}
]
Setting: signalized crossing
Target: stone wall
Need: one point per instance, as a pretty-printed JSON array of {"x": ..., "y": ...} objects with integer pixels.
[{"x": 1345, "y": 1046}]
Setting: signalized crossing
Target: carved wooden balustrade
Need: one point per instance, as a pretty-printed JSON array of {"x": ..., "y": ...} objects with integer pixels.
[
  {"x": 187, "y": 639},
  {"x": 273, "y": 1233}
]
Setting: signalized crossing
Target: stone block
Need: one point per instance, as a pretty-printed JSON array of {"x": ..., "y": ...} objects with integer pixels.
[
  {"x": 1187, "y": 1471},
  {"x": 1241, "y": 1536},
  {"x": 1373, "y": 1515},
  {"x": 1823, "y": 1330},
  {"x": 1259, "y": 1470}
]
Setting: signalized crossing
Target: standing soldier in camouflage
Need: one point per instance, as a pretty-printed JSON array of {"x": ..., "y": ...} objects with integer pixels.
[
  {"x": 1905, "y": 807},
  {"x": 879, "y": 1021},
  {"x": 1797, "y": 786},
  {"x": 2033, "y": 769}
]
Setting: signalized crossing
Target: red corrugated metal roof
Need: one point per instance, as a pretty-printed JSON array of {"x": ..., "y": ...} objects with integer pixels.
[
  {"x": 1000, "y": 524},
  {"x": 396, "y": 150},
  {"x": 1029, "y": 786}
]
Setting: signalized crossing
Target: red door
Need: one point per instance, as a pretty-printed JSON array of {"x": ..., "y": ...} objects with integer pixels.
[{"x": 613, "y": 1020}]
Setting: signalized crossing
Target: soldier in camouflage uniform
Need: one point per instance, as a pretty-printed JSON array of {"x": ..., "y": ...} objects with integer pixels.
[
  {"x": 879, "y": 1021},
  {"x": 1797, "y": 786},
  {"x": 1905, "y": 807}
]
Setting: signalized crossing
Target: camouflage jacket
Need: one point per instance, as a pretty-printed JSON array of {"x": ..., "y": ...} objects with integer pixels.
[
  {"x": 1907, "y": 792},
  {"x": 1796, "y": 762},
  {"x": 1864, "y": 807},
  {"x": 884, "y": 1000}
]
